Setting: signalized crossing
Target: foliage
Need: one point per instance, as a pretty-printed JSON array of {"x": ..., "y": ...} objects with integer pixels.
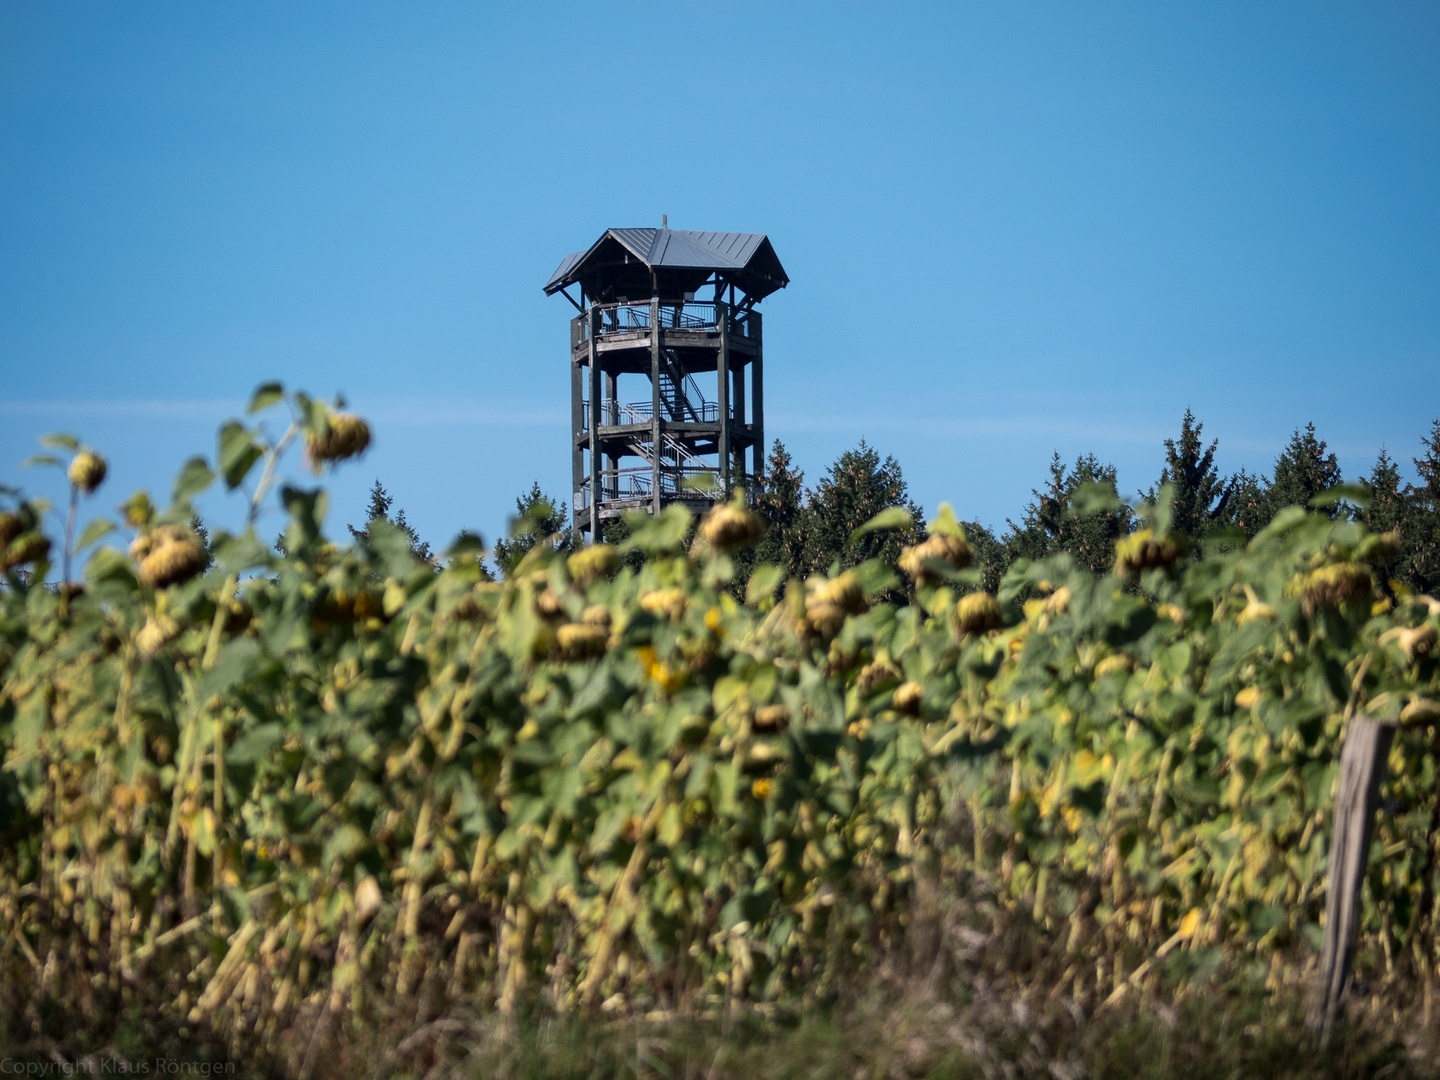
[
  {"x": 1302, "y": 471},
  {"x": 780, "y": 500},
  {"x": 1055, "y": 522},
  {"x": 1384, "y": 508},
  {"x": 991, "y": 557},
  {"x": 379, "y": 510},
  {"x": 299, "y": 786},
  {"x": 1422, "y": 535},
  {"x": 1172, "y": 759},
  {"x": 1250, "y": 508},
  {"x": 538, "y": 519},
  {"x": 1200, "y": 497},
  {"x": 856, "y": 488},
  {"x": 811, "y": 530},
  {"x": 202, "y": 533}
]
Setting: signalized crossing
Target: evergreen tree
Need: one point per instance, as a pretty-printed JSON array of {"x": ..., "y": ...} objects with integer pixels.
[
  {"x": 1249, "y": 507},
  {"x": 856, "y": 488},
  {"x": 1052, "y": 525},
  {"x": 1388, "y": 508},
  {"x": 536, "y": 520},
  {"x": 1303, "y": 471},
  {"x": 1201, "y": 497},
  {"x": 1386, "y": 511},
  {"x": 380, "y": 503},
  {"x": 988, "y": 554},
  {"x": 197, "y": 526},
  {"x": 780, "y": 500},
  {"x": 1422, "y": 537}
]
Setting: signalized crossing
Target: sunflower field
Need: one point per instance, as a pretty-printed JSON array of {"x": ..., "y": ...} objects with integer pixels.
[{"x": 243, "y": 787}]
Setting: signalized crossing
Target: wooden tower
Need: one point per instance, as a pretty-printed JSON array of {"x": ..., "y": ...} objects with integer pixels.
[{"x": 645, "y": 431}]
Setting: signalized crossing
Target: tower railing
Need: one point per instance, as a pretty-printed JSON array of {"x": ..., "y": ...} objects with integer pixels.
[
  {"x": 617, "y": 413},
  {"x": 636, "y": 484},
  {"x": 633, "y": 317}
]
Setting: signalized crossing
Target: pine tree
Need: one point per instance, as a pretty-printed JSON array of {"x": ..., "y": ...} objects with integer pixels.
[
  {"x": 1422, "y": 537},
  {"x": 536, "y": 520},
  {"x": 1249, "y": 507},
  {"x": 1303, "y": 471},
  {"x": 1386, "y": 511},
  {"x": 856, "y": 488},
  {"x": 780, "y": 500},
  {"x": 988, "y": 554},
  {"x": 197, "y": 526},
  {"x": 1201, "y": 497},
  {"x": 1052, "y": 525},
  {"x": 380, "y": 503}
]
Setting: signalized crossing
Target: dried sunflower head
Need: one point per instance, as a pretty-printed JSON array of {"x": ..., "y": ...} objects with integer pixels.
[
  {"x": 829, "y": 600},
  {"x": 977, "y": 613},
  {"x": 938, "y": 547},
  {"x": 157, "y": 632},
  {"x": 346, "y": 436},
  {"x": 11, "y": 526},
  {"x": 168, "y": 556},
  {"x": 665, "y": 603},
  {"x": 138, "y": 510},
  {"x": 878, "y": 671},
  {"x": 28, "y": 547},
  {"x": 770, "y": 719},
  {"x": 843, "y": 591},
  {"x": 593, "y": 563},
  {"x": 87, "y": 471},
  {"x": 1415, "y": 642},
  {"x": 1113, "y": 663},
  {"x": 1144, "y": 550},
  {"x": 581, "y": 641},
  {"x": 730, "y": 527},
  {"x": 1331, "y": 586},
  {"x": 906, "y": 698}
]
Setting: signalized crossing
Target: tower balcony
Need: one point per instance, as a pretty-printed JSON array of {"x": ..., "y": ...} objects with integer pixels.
[
  {"x": 621, "y": 414},
  {"x": 633, "y": 488},
  {"x": 625, "y": 322}
]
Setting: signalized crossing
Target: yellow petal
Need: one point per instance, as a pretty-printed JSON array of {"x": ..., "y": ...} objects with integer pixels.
[{"x": 1190, "y": 923}]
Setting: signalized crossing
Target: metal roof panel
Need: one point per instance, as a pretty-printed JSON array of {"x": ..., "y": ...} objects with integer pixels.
[{"x": 683, "y": 249}]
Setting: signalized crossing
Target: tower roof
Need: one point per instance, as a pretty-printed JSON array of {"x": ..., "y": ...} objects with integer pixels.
[{"x": 669, "y": 262}]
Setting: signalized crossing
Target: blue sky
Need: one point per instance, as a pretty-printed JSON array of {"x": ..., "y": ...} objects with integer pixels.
[{"x": 1011, "y": 229}]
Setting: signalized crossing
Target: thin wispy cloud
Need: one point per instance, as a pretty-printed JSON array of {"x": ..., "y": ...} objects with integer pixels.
[
  {"x": 464, "y": 414},
  {"x": 974, "y": 427},
  {"x": 398, "y": 411},
  {"x": 198, "y": 409}
]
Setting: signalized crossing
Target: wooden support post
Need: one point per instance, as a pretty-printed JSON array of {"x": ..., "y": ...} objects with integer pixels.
[
  {"x": 722, "y": 378},
  {"x": 577, "y": 422},
  {"x": 608, "y": 416},
  {"x": 657, "y": 428},
  {"x": 594, "y": 426},
  {"x": 738, "y": 445},
  {"x": 1357, "y": 792},
  {"x": 757, "y": 387}
]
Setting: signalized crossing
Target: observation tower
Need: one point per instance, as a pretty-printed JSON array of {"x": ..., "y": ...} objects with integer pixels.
[{"x": 665, "y": 388}]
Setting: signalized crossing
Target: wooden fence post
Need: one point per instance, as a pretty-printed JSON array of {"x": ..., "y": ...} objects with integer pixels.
[{"x": 1357, "y": 791}]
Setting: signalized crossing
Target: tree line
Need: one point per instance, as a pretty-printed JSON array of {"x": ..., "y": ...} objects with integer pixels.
[{"x": 809, "y": 528}]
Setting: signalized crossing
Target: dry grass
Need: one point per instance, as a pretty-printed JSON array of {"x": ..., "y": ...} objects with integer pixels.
[{"x": 973, "y": 992}]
